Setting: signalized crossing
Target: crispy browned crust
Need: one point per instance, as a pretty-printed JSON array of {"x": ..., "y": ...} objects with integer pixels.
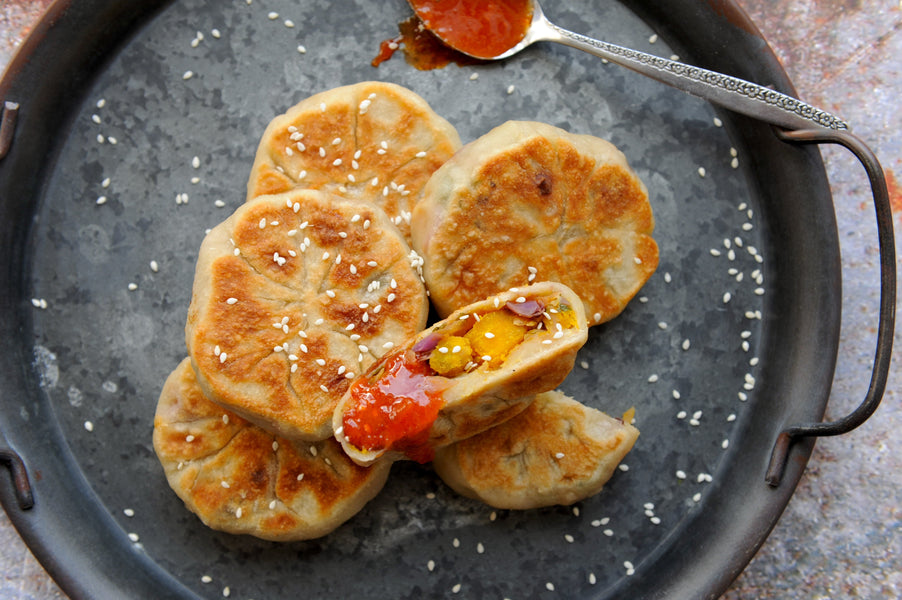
[
  {"x": 483, "y": 398},
  {"x": 370, "y": 141},
  {"x": 240, "y": 479},
  {"x": 294, "y": 295},
  {"x": 557, "y": 451},
  {"x": 529, "y": 201}
]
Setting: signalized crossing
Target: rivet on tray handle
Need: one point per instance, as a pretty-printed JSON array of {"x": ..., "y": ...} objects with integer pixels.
[
  {"x": 7, "y": 126},
  {"x": 24, "y": 495},
  {"x": 887, "y": 317}
]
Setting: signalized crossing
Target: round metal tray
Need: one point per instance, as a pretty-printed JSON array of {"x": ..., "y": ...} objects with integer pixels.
[{"x": 733, "y": 338}]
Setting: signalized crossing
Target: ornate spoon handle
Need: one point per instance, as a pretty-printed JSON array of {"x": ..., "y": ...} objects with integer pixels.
[{"x": 730, "y": 92}]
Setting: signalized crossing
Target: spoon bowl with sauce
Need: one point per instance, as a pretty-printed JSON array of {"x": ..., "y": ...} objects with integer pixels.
[{"x": 499, "y": 29}]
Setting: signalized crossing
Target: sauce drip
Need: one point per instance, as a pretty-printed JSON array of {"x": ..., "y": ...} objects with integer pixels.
[
  {"x": 422, "y": 49},
  {"x": 481, "y": 28},
  {"x": 394, "y": 411}
]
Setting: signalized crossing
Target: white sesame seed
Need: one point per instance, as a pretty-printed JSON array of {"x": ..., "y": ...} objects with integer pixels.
[
  {"x": 680, "y": 474},
  {"x": 133, "y": 537},
  {"x": 187, "y": 75},
  {"x": 701, "y": 172},
  {"x": 89, "y": 426},
  {"x": 154, "y": 266}
]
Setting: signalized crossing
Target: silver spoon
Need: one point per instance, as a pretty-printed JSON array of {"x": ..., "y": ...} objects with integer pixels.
[{"x": 730, "y": 92}]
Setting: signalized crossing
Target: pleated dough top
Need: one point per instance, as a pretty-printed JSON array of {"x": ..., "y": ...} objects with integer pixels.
[
  {"x": 294, "y": 295},
  {"x": 240, "y": 479},
  {"x": 531, "y": 202},
  {"x": 372, "y": 141}
]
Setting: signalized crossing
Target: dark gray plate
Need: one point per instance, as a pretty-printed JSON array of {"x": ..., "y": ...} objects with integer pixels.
[{"x": 734, "y": 337}]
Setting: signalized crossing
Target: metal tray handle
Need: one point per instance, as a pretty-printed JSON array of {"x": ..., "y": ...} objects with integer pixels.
[
  {"x": 887, "y": 317},
  {"x": 24, "y": 495}
]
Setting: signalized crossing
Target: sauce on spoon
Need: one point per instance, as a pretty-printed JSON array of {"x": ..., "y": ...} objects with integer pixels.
[{"x": 480, "y": 28}]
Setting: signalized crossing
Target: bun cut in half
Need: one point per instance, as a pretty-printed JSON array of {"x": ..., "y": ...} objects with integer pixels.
[
  {"x": 557, "y": 451},
  {"x": 467, "y": 373}
]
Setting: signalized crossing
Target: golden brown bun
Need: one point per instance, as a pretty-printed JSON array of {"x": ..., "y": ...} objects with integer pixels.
[
  {"x": 371, "y": 141},
  {"x": 294, "y": 295},
  {"x": 557, "y": 451},
  {"x": 240, "y": 479},
  {"x": 486, "y": 396},
  {"x": 528, "y": 201}
]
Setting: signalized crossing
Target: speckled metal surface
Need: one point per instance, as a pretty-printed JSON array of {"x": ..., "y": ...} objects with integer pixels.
[{"x": 853, "y": 479}]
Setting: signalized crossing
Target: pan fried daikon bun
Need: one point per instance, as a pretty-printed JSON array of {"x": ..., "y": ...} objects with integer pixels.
[
  {"x": 477, "y": 368},
  {"x": 371, "y": 141},
  {"x": 531, "y": 202},
  {"x": 294, "y": 295},
  {"x": 240, "y": 479},
  {"x": 557, "y": 451}
]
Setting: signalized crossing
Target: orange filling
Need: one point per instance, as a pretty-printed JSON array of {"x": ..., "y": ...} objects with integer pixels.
[
  {"x": 478, "y": 27},
  {"x": 396, "y": 409}
]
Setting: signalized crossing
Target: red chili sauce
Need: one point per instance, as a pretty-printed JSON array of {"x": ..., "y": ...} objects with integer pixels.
[
  {"x": 396, "y": 409},
  {"x": 422, "y": 50},
  {"x": 481, "y": 28}
]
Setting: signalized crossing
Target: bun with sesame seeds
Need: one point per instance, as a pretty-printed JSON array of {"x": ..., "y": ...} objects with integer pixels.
[
  {"x": 372, "y": 141},
  {"x": 475, "y": 369},
  {"x": 529, "y": 201},
  {"x": 240, "y": 479},
  {"x": 294, "y": 295},
  {"x": 557, "y": 451}
]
